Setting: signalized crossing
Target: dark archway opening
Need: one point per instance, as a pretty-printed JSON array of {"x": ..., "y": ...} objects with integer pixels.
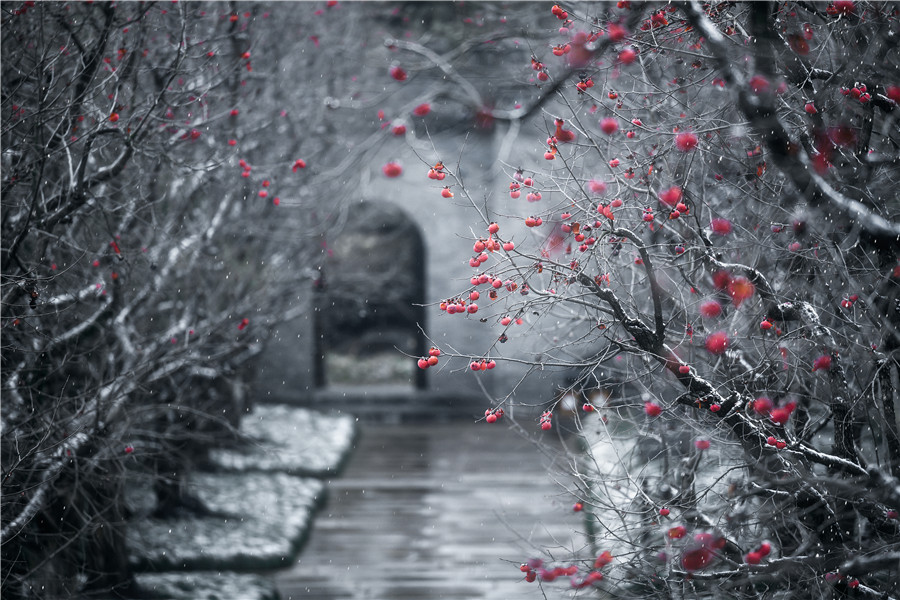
[{"x": 369, "y": 301}]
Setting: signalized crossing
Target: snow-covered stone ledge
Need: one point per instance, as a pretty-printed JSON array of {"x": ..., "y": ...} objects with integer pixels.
[
  {"x": 260, "y": 501},
  {"x": 290, "y": 440}
]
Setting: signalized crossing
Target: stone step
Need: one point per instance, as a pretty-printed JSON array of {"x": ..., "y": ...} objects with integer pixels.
[{"x": 261, "y": 499}]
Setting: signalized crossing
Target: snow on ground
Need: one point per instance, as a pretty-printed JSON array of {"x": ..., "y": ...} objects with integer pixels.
[
  {"x": 208, "y": 585},
  {"x": 262, "y": 520},
  {"x": 291, "y": 440},
  {"x": 261, "y": 499}
]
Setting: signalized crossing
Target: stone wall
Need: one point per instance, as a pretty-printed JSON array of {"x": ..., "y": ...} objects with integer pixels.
[{"x": 286, "y": 371}]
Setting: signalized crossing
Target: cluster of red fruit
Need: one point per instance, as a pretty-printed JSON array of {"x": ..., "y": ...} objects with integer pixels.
[
  {"x": 833, "y": 577},
  {"x": 773, "y": 441},
  {"x": 519, "y": 178},
  {"x": 582, "y": 234},
  {"x": 491, "y": 416},
  {"x": 535, "y": 569},
  {"x": 431, "y": 360},
  {"x": 841, "y": 7},
  {"x": 541, "y": 70},
  {"x": 754, "y": 558},
  {"x": 849, "y": 301},
  {"x": 458, "y": 305},
  {"x": 559, "y": 12},
  {"x": 494, "y": 282},
  {"x": 437, "y": 171},
  {"x": 857, "y": 92},
  {"x": 552, "y": 148},
  {"x": 561, "y": 49},
  {"x": 584, "y": 85},
  {"x": 779, "y": 415},
  {"x": 483, "y": 365},
  {"x": 700, "y": 552},
  {"x": 546, "y": 420},
  {"x": 656, "y": 20}
]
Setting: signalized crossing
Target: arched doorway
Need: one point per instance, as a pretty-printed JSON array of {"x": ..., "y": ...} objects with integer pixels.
[{"x": 369, "y": 301}]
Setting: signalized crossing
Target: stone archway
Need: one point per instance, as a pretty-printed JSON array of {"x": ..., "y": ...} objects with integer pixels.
[{"x": 369, "y": 301}]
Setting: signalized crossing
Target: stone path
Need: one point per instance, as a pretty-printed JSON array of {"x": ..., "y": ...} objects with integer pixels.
[{"x": 426, "y": 511}]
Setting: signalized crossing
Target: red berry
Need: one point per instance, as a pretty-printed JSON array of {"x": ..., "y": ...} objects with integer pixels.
[
  {"x": 759, "y": 84},
  {"x": 398, "y": 73},
  {"x": 578, "y": 507},
  {"x": 684, "y": 369},
  {"x": 781, "y": 415},
  {"x": 686, "y": 141},
  {"x": 720, "y": 226},
  {"x": 609, "y": 125},
  {"x": 616, "y": 32},
  {"x": 766, "y": 324},
  {"x": 715, "y": 408},
  {"x": 671, "y": 196},
  {"x": 762, "y": 405},
  {"x": 392, "y": 169},
  {"x": 664, "y": 512},
  {"x": 710, "y": 309},
  {"x": 753, "y": 558},
  {"x": 491, "y": 418},
  {"x": 822, "y": 363},
  {"x": 696, "y": 558},
  {"x": 652, "y": 409},
  {"x": 717, "y": 343},
  {"x": 423, "y": 363},
  {"x": 627, "y": 56},
  {"x": 432, "y": 361}
]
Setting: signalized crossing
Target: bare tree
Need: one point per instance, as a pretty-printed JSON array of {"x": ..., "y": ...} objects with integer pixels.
[
  {"x": 713, "y": 252},
  {"x": 160, "y": 216}
]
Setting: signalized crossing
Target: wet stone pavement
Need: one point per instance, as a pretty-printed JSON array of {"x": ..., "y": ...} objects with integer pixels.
[{"x": 429, "y": 511}]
